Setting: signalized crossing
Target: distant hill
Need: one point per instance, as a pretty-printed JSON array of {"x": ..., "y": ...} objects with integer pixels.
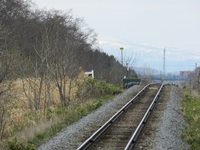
[{"x": 148, "y": 56}]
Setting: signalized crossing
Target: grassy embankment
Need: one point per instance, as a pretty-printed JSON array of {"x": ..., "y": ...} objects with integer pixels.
[
  {"x": 26, "y": 129},
  {"x": 191, "y": 111}
]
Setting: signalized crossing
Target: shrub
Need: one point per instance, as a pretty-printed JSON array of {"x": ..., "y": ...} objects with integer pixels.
[
  {"x": 15, "y": 144},
  {"x": 94, "y": 88},
  {"x": 191, "y": 110}
]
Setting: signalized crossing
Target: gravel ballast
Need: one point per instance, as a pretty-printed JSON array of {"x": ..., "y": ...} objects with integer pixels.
[
  {"x": 168, "y": 134},
  {"x": 73, "y": 136},
  {"x": 172, "y": 125}
]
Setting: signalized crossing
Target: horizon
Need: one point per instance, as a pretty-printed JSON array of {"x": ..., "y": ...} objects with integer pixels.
[
  {"x": 173, "y": 25},
  {"x": 147, "y": 56}
]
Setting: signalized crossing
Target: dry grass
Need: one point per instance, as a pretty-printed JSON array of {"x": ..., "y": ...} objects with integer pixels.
[
  {"x": 27, "y": 127},
  {"x": 31, "y": 132},
  {"x": 25, "y": 123}
]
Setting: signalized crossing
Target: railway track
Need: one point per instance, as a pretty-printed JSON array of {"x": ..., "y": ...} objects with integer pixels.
[{"x": 122, "y": 130}]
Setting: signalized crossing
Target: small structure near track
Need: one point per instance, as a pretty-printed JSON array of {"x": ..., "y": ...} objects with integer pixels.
[
  {"x": 127, "y": 83},
  {"x": 90, "y": 73}
]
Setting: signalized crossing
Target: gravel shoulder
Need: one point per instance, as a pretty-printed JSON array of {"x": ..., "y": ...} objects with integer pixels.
[
  {"x": 168, "y": 129},
  {"x": 73, "y": 136},
  {"x": 172, "y": 125}
]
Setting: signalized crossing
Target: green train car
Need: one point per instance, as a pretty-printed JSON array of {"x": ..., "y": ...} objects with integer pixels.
[{"x": 127, "y": 83}]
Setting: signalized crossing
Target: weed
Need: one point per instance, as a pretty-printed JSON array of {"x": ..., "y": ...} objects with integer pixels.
[
  {"x": 95, "y": 88},
  {"x": 191, "y": 111},
  {"x": 29, "y": 127},
  {"x": 15, "y": 144}
]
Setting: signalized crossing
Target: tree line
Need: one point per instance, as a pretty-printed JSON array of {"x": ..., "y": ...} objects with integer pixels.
[
  {"x": 40, "y": 47},
  {"x": 48, "y": 41}
]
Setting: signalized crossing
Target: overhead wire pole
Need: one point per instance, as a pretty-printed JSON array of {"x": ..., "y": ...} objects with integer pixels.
[
  {"x": 121, "y": 48},
  {"x": 164, "y": 64}
]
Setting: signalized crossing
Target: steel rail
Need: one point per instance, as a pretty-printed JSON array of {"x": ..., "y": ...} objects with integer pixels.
[
  {"x": 95, "y": 136},
  {"x": 132, "y": 142}
]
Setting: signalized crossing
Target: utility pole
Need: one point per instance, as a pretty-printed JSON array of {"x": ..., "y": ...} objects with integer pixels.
[
  {"x": 164, "y": 61},
  {"x": 121, "y": 48},
  {"x": 164, "y": 64}
]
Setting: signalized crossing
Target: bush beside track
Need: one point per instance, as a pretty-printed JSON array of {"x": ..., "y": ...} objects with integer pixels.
[{"x": 191, "y": 112}]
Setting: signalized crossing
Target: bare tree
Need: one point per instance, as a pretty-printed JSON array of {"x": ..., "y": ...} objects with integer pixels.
[
  {"x": 8, "y": 62},
  {"x": 66, "y": 69},
  {"x": 40, "y": 61},
  {"x": 130, "y": 63}
]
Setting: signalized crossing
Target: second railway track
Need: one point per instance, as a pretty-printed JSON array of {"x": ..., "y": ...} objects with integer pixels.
[{"x": 117, "y": 131}]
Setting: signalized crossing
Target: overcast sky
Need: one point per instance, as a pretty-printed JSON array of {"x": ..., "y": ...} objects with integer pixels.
[{"x": 160, "y": 23}]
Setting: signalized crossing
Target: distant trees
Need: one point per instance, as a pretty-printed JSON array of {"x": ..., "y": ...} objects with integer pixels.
[
  {"x": 49, "y": 46},
  {"x": 42, "y": 35},
  {"x": 45, "y": 51}
]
